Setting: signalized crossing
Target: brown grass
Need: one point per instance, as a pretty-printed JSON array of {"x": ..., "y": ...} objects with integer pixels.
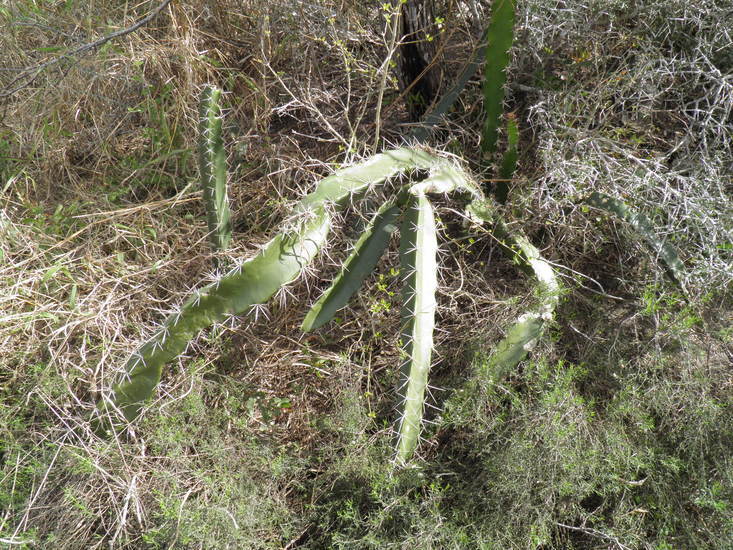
[{"x": 102, "y": 231}]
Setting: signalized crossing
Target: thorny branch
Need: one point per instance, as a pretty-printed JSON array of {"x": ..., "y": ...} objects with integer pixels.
[
  {"x": 595, "y": 533},
  {"x": 29, "y": 74}
]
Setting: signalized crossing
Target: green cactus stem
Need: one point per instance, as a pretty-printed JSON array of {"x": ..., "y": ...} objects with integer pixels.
[
  {"x": 418, "y": 266},
  {"x": 213, "y": 170}
]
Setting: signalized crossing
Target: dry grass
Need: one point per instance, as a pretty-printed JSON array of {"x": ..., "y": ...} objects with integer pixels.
[{"x": 102, "y": 231}]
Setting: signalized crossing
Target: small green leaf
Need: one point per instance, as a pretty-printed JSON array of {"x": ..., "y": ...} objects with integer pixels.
[
  {"x": 51, "y": 272},
  {"x": 72, "y": 296}
]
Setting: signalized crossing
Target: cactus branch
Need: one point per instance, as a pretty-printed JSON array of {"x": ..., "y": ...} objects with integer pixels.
[
  {"x": 500, "y": 36},
  {"x": 662, "y": 250},
  {"x": 357, "y": 267},
  {"x": 529, "y": 327},
  {"x": 213, "y": 170},
  {"x": 254, "y": 282},
  {"x": 418, "y": 250}
]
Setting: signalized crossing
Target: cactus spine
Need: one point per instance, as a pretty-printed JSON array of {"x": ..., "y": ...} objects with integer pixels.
[{"x": 213, "y": 170}]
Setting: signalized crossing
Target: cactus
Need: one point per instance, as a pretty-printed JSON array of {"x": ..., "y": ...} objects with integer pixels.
[
  {"x": 509, "y": 162},
  {"x": 500, "y": 36},
  {"x": 213, "y": 170},
  {"x": 254, "y": 282},
  {"x": 529, "y": 327},
  {"x": 418, "y": 250},
  {"x": 496, "y": 41},
  {"x": 280, "y": 262},
  {"x": 284, "y": 258},
  {"x": 641, "y": 224},
  {"x": 360, "y": 263}
]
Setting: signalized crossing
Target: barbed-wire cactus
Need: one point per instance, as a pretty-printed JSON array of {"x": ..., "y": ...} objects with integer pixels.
[
  {"x": 408, "y": 207},
  {"x": 213, "y": 170}
]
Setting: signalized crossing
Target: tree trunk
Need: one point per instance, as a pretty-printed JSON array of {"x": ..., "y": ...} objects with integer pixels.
[{"x": 416, "y": 52}]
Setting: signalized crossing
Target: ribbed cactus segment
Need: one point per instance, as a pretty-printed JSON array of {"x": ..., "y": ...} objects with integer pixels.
[
  {"x": 663, "y": 251},
  {"x": 446, "y": 178},
  {"x": 345, "y": 182},
  {"x": 528, "y": 328},
  {"x": 418, "y": 267},
  {"x": 357, "y": 267},
  {"x": 500, "y": 35},
  {"x": 213, "y": 169},
  {"x": 514, "y": 347},
  {"x": 254, "y": 282}
]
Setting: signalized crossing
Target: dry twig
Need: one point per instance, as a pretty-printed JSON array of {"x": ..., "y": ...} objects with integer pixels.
[{"x": 29, "y": 74}]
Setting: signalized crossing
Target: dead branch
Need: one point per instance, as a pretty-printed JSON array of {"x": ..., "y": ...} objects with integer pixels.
[{"x": 29, "y": 74}]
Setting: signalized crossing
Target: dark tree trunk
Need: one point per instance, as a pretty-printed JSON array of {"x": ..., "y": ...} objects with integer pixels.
[{"x": 416, "y": 52}]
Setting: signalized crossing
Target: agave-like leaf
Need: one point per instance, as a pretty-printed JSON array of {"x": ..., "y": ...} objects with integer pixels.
[
  {"x": 343, "y": 183},
  {"x": 509, "y": 162},
  {"x": 418, "y": 265},
  {"x": 213, "y": 169},
  {"x": 254, "y": 282},
  {"x": 664, "y": 251},
  {"x": 357, "y": 267},
  {"x": 528, "y": 328},
  {"x": 500, "y": 36}
]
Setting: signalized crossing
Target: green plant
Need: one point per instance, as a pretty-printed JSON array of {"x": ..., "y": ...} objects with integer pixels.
[
  {"x": 641, "y": 224},
  {"x": 529, "y": 327},
  {"x": 285, "y": 257},
  {"x": 509, "y": 162},
  {"x": 496, "y": 41},
  {"x": 500, "y": 35},
  {"x": 213, "y": 169}
]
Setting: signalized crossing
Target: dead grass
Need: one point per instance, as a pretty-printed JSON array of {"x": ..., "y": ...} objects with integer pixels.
[{"x": 102, "y": 232}]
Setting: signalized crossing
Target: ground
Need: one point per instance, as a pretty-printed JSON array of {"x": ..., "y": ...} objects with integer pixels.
[{"x": 615, "y": 432}]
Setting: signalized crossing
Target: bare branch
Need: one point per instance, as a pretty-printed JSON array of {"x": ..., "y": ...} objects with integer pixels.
[
  {"x": 28, "y": 75},
  {"x": 595, "y": 533}
]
